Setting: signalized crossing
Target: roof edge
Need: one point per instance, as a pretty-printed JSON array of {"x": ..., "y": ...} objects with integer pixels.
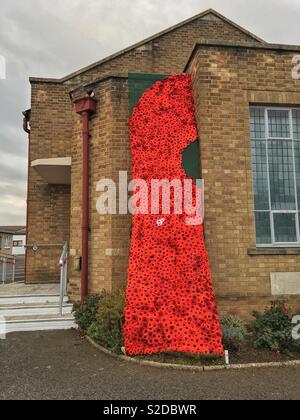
[
  {"x": 145, "y": 41},
  {"x": 44, "y": 80},
  {"x": 12, "y": 230},
  {"x": 236, "y": 25},
  {"x": 98, "y": 80},
  {"x": 224, "y": 44}
]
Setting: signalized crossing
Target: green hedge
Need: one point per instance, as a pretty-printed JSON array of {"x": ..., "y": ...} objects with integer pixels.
[
  {"x": 86, "y": 313},
  {"x": 101, "y": 317},
  {"x": 107, "y": 330}
]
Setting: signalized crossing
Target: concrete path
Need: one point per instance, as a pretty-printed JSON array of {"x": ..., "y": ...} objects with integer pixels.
[
  {"x": 21, "y": 289},
  {"x": 59, "y": 365}
]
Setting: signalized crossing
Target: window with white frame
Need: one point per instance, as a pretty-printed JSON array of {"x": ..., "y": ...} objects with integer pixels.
[
  {"x": 275, "y": 137},
  {"x": 17, "y": 244},
  {"x": 7, "y": 242}
]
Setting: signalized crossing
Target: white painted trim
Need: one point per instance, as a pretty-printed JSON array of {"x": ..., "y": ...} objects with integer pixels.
[
  {"x": 65, "y": 161},
  {"x": 40, "y": 325},
  {"x": 23, "y": 311},
  {"x": 29, "y": 299},
  {"x": 55, "y": 171}
]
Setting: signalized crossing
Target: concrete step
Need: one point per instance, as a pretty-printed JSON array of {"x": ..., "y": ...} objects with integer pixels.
[
  {"x": 34, "y": 323},
  {"x": 30, "y": 299},
  {"x": 36, "y": 309}
]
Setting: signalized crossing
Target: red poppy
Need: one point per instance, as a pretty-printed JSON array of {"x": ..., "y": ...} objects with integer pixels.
[{"x": 171, "y": 305}]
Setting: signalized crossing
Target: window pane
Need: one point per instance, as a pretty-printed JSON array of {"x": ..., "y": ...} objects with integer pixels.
[
  {"x": 263, "y": 228},
  {"x": 297, "y": 168},
  {"x": 285, "y": 227},
  {"x": 296, "y": 123},
  {"x": 276, "y": 174},
  {"x": 281, "y": 172},
  {"x": 279, "y": 124},
  {"x": 257, "y": 121},
  {"x": 260, "y": 175}
]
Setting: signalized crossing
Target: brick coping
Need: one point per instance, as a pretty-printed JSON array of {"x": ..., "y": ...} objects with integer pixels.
[
  {"x": 103, "y": 78},
  {"x": 273, "y": 251},
  {"x": 191, "y": 368},
  {"x": 242, "y": 45}
]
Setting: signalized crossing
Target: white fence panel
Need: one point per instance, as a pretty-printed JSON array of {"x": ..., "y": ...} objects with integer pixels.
[{"x": 7, "y": 269}]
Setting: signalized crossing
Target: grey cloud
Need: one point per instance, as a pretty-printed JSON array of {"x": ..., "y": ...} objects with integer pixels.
[{"x": 12, "y": 170}]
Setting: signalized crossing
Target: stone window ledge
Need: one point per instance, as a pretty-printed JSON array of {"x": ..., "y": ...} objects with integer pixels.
[{"x": 273, "y": 251}]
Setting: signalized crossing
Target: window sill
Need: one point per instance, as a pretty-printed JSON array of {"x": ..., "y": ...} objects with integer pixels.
[{"x": 273, "y": 251}]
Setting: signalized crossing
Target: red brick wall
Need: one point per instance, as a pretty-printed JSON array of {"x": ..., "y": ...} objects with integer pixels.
[
  {"x": 48, "y": 206},
  {"x": 225, "y": 82}
]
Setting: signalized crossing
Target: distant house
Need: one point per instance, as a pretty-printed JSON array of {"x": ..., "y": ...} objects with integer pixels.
[
  {"x": 19, "y": 241},
  {"x": 12, "y": 244},
  {"x": 12, "y": 240},
  {"x": 6, "y": 241}
]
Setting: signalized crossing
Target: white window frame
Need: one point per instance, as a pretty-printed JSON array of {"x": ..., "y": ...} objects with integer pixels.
[
  {"x": 18, "y": 243},
  {"x": 271, "y": 212},
  {"x": 7, "y": 242}
]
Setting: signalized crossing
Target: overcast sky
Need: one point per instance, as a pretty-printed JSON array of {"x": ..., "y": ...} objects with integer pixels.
[{"x": 53, "y": 38}]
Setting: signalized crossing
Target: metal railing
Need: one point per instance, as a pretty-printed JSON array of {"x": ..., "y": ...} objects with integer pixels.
[
  {"x": 7, "y": 269},
  {"x": 63, "y": 263}
]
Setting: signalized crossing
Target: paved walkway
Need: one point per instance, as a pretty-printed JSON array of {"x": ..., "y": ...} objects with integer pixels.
[{"x": 59, "y": 365}]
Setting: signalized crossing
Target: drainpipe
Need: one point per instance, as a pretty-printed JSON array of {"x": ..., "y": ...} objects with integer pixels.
[
  {"x": 85, "y": 106},
  {"x": 26, "y": 120},
  {"x": 26, "y": 128}
]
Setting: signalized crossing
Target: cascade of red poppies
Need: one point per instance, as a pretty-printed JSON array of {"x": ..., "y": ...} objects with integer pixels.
[{"x": 170, "y": 303}]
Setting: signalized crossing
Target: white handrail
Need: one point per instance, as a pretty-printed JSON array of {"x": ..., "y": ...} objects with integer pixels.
[
  {"x": 63, "y": 263},
  {"x": 7, "y": 260}
]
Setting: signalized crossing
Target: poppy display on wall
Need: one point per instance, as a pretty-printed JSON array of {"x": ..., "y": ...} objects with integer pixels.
[{"x": 170, "y": 303}]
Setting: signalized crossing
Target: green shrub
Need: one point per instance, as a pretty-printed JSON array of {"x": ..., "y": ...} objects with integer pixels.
[
  {"x": 234, "y": 332},
  {"x": 107, "y": 330},
  {"x": 86, "y": 313},
  {"x": 273, "y": 329}
]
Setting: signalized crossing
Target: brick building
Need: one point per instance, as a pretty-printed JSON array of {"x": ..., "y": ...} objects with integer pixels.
[{"x": 248, "y": 116}]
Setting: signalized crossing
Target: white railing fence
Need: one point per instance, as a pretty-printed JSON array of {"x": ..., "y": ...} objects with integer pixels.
[
  {"x": 7, "y": 269},
  {"x": 63, "y": 263}
]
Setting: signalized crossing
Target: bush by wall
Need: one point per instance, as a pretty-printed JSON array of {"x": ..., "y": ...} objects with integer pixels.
[
  {"x": 107, "y": 329},
  {"x": 273, "y": 329},
  {"x": 234, "y": 332},
  {"x": 86, "y": 313},
  {"x": 101, "y": 317}
]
